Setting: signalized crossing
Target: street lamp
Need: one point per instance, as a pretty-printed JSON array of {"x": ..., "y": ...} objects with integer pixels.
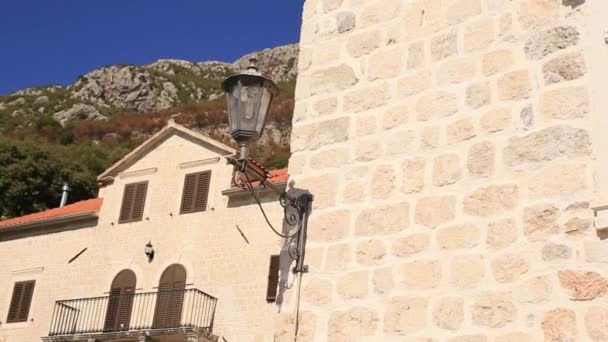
[{"x": 249, "y": 95}]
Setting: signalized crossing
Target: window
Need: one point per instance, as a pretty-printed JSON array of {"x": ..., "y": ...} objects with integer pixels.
[
  {"x": 196, "y": 192},
  {"x": 21, "y": 301},
  {"x": 133, "y": 201}
]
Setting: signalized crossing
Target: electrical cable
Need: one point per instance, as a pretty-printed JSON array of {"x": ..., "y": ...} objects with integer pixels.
[{"x": 250, "y": 188}]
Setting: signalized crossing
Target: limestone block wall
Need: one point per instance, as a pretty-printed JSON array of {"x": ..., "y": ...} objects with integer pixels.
[{"x": 454, "y": 148}]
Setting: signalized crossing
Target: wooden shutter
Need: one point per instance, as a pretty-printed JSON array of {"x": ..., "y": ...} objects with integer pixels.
[
  {"x": 196, "y": 192},
  {"x": 168, "y": 312},
  {"x": 21, "y": 301},
  {"x": 120, "y": 301},
  {"x": 273, "y": 278},
  {"x": 133, "y": 202}
]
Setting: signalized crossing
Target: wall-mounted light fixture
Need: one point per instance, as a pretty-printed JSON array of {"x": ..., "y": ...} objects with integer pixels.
[
  {"x": 149, "y": 251},
  {"x": 249, "y": 95}
]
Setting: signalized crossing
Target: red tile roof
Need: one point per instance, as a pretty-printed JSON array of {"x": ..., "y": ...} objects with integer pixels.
[
  {"x": 82, "y": 207},
  {"x": 276, "y": 176}
]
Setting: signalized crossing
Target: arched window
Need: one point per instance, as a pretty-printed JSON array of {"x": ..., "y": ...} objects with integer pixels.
[
  {"x": 170, "y": 299},
  {"x": 120, "y": 301}
]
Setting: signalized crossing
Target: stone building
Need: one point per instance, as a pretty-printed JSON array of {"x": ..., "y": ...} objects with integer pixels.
[
  {"x": 458, "y": 155},
  {"x": 80, "y": 272}
]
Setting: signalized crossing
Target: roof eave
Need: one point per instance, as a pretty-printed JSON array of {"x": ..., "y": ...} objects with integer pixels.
[
  {"x": 50, "y": 221},
  {"x": 233, "y": 192}
]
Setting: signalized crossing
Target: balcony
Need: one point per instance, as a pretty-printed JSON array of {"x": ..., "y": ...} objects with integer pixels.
[{"x": 168, "y": 315}]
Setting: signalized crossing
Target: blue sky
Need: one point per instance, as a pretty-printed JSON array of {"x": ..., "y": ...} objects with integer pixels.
[{"x": 53, "y": 42}]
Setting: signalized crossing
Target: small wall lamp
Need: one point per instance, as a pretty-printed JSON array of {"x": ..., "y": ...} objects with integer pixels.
[{"x": 149, "y": 251}]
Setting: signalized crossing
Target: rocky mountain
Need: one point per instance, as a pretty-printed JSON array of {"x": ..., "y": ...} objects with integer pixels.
[{"x": 159, "y": 86}]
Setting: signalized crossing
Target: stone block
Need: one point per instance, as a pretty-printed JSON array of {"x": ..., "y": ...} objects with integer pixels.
[
  {"x": 311, "y": 137},
  {"x": 330, "y": 5},
  {"x": 430, "y": 137},
  {"x": 567, "y": 67},
  {"x": 370, "y": 252},
  {"x": 478, "y": 95},
  {"x": 353, "y": 285},
  {"x": 345, "y": 21},
  {"x": 509, "y": 267},
  {"x": 380, "y": 11},
  {"x": 405, "y": 315},
  {"x": 565, "y": 103},
  {"x": 497, "y": 61},
  {"x": 324, "y": 187},
  {"x": 421, "y": 274},
  {"x": 467, "y": 271},
  {"x": 395, "y": 117},
  {"x": 458, "y": 236},
  {"x": 317, "y": 292},
  {"x": 501, "y": 233},
  {"x": 437, "y": 104},
  {"x": 479, "y": 34},
  {"x": 595, "y": 250},
  {"x": 559, "y": 325},
  {"x": 546, "y": 145},
  {"x": 368, "y": 149},
  {"x": 333, "y": 79},
  {"x": 469, "y": 338},
  {"x": 583, "y": 285},
  {"x": 338, "y": 257},
  {"x": 330, "y": 158},
  {"x": 459, "y": 10},
  {"x": 413, "y": 175},
  {"x": 548, "y": 41},
  {"x": 596, "y": 322},
  {"x": 554, "y": 251},
  {"x": 326, "y": 106},
  {"x": 400, "y": 142},
  {"x": 383, "y": 281},
  {"x": 415, "y": 55},
  {"x": 329, "y": 226},
  {"x": 384, "y": 64},
  {"x": 446, "y": 169},
  {"x": 345, "y": 326},
  {"x": 540, "y": 221},
  {"x": 414, "y": 83},
  {"x": 448, "y": 313},
  {"x": 456, "y": 70},
  {"x": 558, "y": 180},
  {"x": 491, "y": 200},
  {"x": 514, "y": 86},
  {"x": 363, "y": 44},
  {"x": 383, "y": 183},
  {"x": 493, "y": 310},
  {"x": 480, "y": 160},
  {"x": 527, "y": 116},
  {"x": 367, "y": 98},
  {"x": 383, "y": 219},
  {"x": 535, "y": 290},
  {"x": 307, "y": 323},
  {"x": 516, "y": 337},
  {"x": 536, "y": 13},
  {"x": 435, "y": 210},
  {"x": 459, "y": 131},
  {"x": 496, "y": 119},
  {"x": 410, "y": 245},
  {"x": 444, "y": 45}
]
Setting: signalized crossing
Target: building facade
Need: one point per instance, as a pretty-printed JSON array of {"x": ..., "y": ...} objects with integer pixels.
[
  {"x": 457, "y": 153},
  {"x": 81, "y": 272}
]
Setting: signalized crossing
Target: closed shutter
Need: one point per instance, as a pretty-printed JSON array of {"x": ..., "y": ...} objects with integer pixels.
[
  {"x": 21, "y": 301},
  {"x": 273, "y": 278},
  {"x": 196, "y": 192},
  {"x": 133, "y": 202},
  {"x": 170, "y": 298},
  {"x": 120, "y": 301}
]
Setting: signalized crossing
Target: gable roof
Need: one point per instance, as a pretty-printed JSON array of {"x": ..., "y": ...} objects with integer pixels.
[
  {"x": 82, "y": 209},
  {"x": 154, "y": 141}
]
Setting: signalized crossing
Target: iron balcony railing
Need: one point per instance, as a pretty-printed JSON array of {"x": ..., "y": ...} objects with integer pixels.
[{"x": 129, "y": 312}]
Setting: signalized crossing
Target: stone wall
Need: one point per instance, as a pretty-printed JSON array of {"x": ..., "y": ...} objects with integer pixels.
[{"x": 453, "y": 150}]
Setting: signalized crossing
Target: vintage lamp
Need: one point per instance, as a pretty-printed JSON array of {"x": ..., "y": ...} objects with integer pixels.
[{"x": 249, "y": 95}]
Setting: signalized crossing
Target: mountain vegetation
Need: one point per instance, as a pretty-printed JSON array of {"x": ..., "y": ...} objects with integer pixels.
[{"x": 55, "y": 134}]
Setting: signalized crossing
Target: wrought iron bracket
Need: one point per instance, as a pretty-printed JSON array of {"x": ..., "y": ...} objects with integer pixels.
[{"x": 296, "y": 209}]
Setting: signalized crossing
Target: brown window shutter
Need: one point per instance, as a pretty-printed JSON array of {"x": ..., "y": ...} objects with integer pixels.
[
  {"x": 196, "y": 192},
  {"x": 21, "y": 301},
  {"x": 133, "y": 202},
  {"x": 273, "y": 278}
]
